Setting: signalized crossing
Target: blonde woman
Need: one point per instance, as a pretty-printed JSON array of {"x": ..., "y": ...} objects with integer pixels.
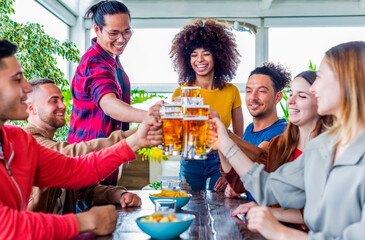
[{"x": 331, "y": 166}]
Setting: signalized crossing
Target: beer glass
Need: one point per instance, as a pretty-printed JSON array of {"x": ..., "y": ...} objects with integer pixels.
[
  {"x": 190, "y": 91},
  {"x": 194, "y": 139},
  {"x": 192, "y": 101},
  {"x": 195, "y": 110},
  {"x": 172, "y": 126}
]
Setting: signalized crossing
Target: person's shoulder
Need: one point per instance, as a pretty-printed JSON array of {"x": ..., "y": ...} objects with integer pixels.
[
  {"x": 249, "y": 126},
  {"x": 281, "y": 122},
  {"x": 278, "y": 127},
  {"x": 13, "y": 129},
  {"x": 248, "y": 129},
  {"x": 323, "y": 138},
  {"x": 16, "y": 133}
]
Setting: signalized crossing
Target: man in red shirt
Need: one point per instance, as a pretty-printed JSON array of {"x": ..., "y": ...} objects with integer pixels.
[{"x": 24, "y": 163}]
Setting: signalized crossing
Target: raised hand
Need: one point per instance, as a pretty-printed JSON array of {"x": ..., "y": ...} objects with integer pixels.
[
  {"x": 217, "y": 133},
  {"x": 155, "y": 109},
  {"x": 149, "y": 134},
  {"x": 213, "y": 114},
  {"x": 177, "y": 99}
]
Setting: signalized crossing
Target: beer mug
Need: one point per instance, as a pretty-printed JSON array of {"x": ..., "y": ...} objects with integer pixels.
[
  {"x": 190, "y": 91},
  {"x": 172, "y": 126},
  {"x": 192, "y": 101},
  {"x": 194, "y": 139},
  {"x": 171, "y": 109},
  {"x": 196, "y": 110}
]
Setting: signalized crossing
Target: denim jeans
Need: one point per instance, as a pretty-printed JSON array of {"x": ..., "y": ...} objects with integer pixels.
[{"x": 197, "y": 172}]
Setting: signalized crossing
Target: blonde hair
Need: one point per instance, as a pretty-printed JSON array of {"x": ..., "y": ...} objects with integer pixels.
[{"x": 347, "y": 60}]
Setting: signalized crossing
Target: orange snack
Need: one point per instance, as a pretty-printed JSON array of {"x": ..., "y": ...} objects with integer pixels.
[{"x": 170, "y": 193}]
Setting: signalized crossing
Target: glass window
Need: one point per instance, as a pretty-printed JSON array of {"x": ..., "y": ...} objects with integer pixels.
[
  {"x": 294, "y": 47},
  {"x": 146, "y": 58}
]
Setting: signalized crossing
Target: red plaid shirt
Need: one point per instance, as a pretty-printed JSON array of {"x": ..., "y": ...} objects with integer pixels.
[{"x": 95, "y": 76}]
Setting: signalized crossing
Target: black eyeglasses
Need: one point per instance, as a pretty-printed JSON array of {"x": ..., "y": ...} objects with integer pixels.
[{"x": 125, "y": 34}]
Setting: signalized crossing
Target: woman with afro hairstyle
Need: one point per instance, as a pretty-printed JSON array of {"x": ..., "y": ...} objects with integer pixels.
[{"x": 205, "y": 54}]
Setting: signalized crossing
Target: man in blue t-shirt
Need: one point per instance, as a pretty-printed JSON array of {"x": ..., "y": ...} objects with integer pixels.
[{"x": 263, "y": 91}]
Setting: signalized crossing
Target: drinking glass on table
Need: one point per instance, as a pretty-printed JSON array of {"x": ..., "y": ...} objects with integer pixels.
[{"x": 165, "y": 206}]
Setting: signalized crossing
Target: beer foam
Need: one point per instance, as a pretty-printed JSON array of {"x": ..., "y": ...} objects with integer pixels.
[
  {"x": 190, "y": 87},
  {"x": 197, "y": 118},
  {"x": 172, "y": 105},
  {"x": 172, "y": 117},
  {"x": 195, "y": 106}
]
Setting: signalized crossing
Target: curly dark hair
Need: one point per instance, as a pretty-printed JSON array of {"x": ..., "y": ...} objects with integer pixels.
[
  {"x": 210, "y": 35},
  {"x": 279, "y": 75}
]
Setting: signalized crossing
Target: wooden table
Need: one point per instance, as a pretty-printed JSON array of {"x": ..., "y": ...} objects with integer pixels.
[{"x": 211, "y": 209}]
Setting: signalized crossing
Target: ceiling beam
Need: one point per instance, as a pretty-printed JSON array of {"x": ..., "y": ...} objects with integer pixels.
[
  {"x": 237, "y": 8},
  {"x": 265, "y": 4},
  {"x": 59, "y": 10}
]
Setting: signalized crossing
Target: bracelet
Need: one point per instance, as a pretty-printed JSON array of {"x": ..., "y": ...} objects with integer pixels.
[
  {"x": 230, "y": 148},
  {"x": 232, "y": 154}
]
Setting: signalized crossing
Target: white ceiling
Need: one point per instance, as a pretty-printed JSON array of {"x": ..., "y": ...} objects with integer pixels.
[{"x": 173, "y": 13}]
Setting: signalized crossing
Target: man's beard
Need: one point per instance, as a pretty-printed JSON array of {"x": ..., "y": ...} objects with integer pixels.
[{"x": 51, "y": 120}]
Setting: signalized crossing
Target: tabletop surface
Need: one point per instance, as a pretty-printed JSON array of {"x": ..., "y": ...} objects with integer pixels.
[{"x": 212, "y": 212}]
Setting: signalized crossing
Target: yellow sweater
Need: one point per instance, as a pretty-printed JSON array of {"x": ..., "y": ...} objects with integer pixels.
[{"x": 222, "y": 101}]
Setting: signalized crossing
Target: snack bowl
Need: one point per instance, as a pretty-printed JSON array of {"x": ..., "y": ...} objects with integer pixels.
[
  {"x": 180, "y": 201},
  {"x": 166, "y": 230}
]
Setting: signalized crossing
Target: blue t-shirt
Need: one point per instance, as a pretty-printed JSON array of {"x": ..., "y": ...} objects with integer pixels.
[{"x": 266, "y": 134}]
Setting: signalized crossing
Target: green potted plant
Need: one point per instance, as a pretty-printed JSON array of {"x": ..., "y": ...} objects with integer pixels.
[{"x": 37, "y": 53}]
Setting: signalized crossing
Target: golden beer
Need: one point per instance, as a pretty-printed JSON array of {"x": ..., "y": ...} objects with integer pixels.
[
  {"x": 196, "y": 110},
  {"x": 194, "y": 140},
  {"x": 172, "y": 127},
  {"x": 191, "y": 91}
]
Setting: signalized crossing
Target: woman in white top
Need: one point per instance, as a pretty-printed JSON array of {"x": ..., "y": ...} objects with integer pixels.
[{"x": 328, "y": 179}]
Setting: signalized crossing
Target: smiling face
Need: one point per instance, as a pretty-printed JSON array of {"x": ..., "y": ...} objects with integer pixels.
[
  {"x": 302, "y": 104},
  {"x": 114, "y": 25},
  {"x": 326, "y": 89},
  {"x": 13, "y": 91},
  {"x": 202, "y": 62},
  {"x": 48, "y": 108},
  {"x": 260, "y": 96}
]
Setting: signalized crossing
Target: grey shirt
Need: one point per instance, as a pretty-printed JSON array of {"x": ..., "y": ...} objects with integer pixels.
[{"x": 333, "y": 197}]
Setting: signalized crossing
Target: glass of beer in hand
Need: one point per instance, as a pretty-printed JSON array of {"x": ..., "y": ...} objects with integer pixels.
[
  {"x": 172, "y": 126},
  {"x": 196, "y": 110},
  {"x": 195, "y": 127},
  {"x": 190, "y": 91}
]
